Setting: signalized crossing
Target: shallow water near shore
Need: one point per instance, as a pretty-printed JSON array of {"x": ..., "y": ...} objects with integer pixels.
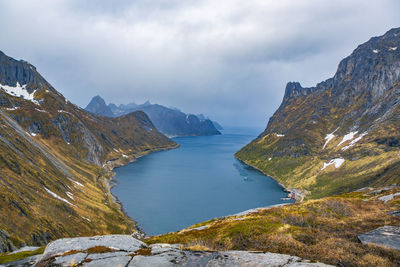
[{"x": 170, "y": 190}]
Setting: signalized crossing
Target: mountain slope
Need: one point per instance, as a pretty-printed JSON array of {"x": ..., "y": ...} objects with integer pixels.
[
  {"x": 56, "y": 159},
  {"x": 342, "y": 134},
  {"x": 170, "y": 122}
]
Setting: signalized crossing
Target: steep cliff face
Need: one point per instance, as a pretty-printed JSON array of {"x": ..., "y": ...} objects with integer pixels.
[
  {"x": 52, "y": 183},
  {"x": 341, "y": 134},
  {"x": 169, "y": 121}
]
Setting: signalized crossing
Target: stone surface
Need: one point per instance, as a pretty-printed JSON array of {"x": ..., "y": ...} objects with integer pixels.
[
  {"x": 126, "y": 254},
  {"x": 6, "y": 244},
  {"x": 30, "y": 261},
  {"x": 70, "y": 260},
  {"x": 116, "y": 242},
  {"x": 395, "y": 213},
  {"x": 386, "y": 236},
  {"x": 119, "y": 261}
]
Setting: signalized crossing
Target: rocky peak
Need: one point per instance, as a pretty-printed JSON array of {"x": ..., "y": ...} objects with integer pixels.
[
  {"x": 98, "y": 106},
  {"x": 293, "y": 89},
  {"x": 373, "y": 67},
  {"x": 18, "y": 72}
]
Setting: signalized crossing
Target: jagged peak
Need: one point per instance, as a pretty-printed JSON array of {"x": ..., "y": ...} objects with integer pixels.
[
  {"x": 98, "y": 98},
  {"x": 292, "y": 89},
  {"x": 19, "y": 71}
]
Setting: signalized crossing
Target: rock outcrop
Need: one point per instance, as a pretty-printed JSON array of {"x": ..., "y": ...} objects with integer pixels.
[
  {"x": 6, "y": 244},
  {"x": 120, "y": 250},
  {"x": 385, "y": 236},
  {"x": 342, "y": 134}
]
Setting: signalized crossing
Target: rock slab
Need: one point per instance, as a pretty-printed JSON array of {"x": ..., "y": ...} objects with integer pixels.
[
  {"x": 386, "y": 236},
  {"x": 125, "y": 250}
]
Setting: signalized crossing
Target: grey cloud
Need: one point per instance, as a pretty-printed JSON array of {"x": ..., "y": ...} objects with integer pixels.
[{"x": 229, "y": 59}]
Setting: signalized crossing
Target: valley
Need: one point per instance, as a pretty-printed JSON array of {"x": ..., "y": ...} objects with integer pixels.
[{"x": 89, "y": 177}]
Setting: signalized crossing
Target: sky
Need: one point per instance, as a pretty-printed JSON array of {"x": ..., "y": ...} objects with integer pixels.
[{"x": 227, "y": 59}]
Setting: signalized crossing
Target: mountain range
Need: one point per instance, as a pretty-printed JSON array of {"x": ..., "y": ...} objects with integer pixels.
[
  {"x": 169, "y": 121},
  {"x": 56, "y": 161},
  {"x": 342, "y": 134}
]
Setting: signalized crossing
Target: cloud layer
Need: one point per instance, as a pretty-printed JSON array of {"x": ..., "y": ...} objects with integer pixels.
[{"x": 229, "y": 59}]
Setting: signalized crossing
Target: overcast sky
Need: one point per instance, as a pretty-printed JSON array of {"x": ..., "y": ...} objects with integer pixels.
[{"x": 228, "y": 59}]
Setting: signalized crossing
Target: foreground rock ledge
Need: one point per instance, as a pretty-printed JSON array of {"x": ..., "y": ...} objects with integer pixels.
[{"x": 124, "y": 250}]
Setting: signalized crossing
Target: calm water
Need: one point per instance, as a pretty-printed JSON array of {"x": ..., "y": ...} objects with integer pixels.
[{"x": 170, "y": 190}]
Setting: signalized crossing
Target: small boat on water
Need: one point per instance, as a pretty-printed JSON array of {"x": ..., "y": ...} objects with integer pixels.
[{"x": 286, "y": 198}]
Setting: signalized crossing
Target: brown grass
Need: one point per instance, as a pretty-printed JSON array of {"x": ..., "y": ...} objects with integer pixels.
[
  {"x": 99, "y": 249},
  {"x": 322, "y": 230},
  {"x": 143, "y": 252}
]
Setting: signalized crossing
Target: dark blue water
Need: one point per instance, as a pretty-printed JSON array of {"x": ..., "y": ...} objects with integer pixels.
[{"x": 171, "y": 190}]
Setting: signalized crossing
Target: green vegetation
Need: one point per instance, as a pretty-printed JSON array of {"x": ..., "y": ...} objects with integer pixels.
[{"x": 7, "y": 257}]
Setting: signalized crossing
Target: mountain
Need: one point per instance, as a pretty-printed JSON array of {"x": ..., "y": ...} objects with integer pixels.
[
  {"x": 169, "y": 121},
  {"x": 216, "y": 124},
  {"x": 98, "y": 106},
  {"x": 342, "y": 134},
  {"x": 56, "y": 161}
]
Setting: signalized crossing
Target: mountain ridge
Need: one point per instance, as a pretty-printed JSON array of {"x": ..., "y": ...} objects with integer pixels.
[
  {"x": 53, "y": 159},
  {"x": 170, "y": 121},
  {"x": 351, "y": 119}
]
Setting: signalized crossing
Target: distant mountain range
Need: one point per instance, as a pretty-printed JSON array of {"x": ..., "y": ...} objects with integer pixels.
[
  {"x": 55, "y": 161},
  {"x": 342, "y": 134},
  {"x": 169, "y": 121}
]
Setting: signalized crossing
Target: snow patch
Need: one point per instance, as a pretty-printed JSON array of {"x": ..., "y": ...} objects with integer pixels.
[
  {"x": 388, "y": 197},
  {"x": 20, "y": 91},
  {"x": 14, "y": 108},
  {"x": 63, "y": 111},
  {"x": 353, "y": 142},
  {"x": 70, "y": 195},
  {"x": 41, "y": 110},
  {"x": 58, "y": 197},
  {"x": 78, "y": 183},
  {"x": 87, "y": 219},
  {"x": 348, "y": 137},
  {"x": 328, "y": 138},
  {"x": 337, "y": 162}
]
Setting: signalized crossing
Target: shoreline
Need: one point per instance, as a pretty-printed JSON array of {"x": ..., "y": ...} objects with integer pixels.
[
  {"x": 112, "y": 164},
  {"x": 110, "y": 182},
  {"x": 285, "y": 189}
]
